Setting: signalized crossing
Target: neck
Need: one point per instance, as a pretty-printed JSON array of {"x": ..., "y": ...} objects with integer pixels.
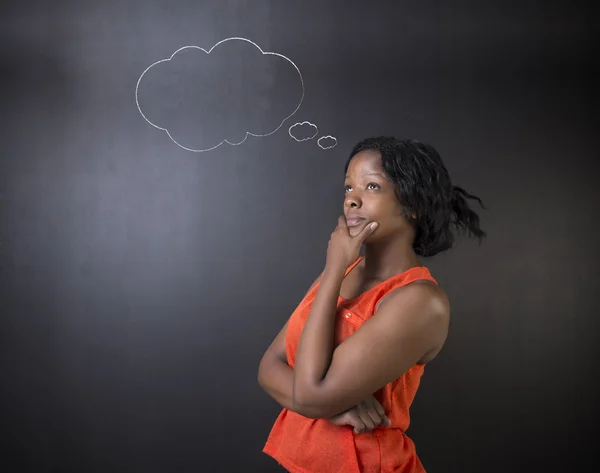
[{"x": 385, "y": 259}]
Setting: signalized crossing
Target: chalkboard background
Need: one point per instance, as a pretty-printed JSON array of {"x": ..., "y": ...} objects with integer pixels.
[{"x": 142, "y": 282}]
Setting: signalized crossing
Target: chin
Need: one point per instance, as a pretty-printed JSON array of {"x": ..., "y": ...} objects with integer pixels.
[{"x": 357, "y": 231}]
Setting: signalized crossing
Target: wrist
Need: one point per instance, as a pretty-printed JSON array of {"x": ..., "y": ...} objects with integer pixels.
[{"x": 334, "y": 270}]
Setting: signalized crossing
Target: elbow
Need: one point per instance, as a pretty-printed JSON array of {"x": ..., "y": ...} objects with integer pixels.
[
  {"x": 317, "y": 402},
  {"x": 312, "y": 412},
  {"x": 263, "y": 382},
  {"x": 260, "y": 377},
  {"x": 298, "y": 399},
  {"x": 307, "y": 404},
  {"x": 259, "y": 380}
]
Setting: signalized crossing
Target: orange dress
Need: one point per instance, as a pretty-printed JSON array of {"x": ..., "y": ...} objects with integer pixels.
[{"x": 304, "y": 445}]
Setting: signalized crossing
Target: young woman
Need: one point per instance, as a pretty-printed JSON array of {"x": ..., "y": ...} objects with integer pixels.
[{"x": 347, "y": 364}]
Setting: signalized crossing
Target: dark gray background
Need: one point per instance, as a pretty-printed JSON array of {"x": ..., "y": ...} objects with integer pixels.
[{"x": 141, "y": 283}]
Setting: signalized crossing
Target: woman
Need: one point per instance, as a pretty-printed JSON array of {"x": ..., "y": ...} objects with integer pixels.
[{"x": 347, "y": 364}]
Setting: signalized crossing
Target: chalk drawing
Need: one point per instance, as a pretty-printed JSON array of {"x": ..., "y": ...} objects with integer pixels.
[
  {"x": 303, "y": 131},
  {"x": 327, "y": 142},
  {"x": 208, "y": 52}
]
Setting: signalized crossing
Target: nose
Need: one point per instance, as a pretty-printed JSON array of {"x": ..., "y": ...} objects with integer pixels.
[{"x": 353, "y": 201}]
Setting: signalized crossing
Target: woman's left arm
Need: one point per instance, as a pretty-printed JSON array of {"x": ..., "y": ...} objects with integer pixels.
[{"x": 409, "y": 322}]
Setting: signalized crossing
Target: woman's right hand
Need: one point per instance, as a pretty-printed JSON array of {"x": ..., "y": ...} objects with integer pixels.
[{"x": 364, "y": 417}]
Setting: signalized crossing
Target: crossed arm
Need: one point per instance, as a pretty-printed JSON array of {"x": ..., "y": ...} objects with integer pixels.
[
  {"x": 409, "y": 323},
  {"x": 276, "y": 377}
]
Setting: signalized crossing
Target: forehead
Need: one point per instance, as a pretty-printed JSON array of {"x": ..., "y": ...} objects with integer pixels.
[{"x": 365, "y": 163}]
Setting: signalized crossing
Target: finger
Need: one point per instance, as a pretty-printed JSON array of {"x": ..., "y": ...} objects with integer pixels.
[
  {"x": 377, "y": 406},
  {"x": 370, "y": 228},
  {"x": 340, "y": 419},
  {"x": 374, "y": 415},
  {"x": 342, "y": 223},
  {"x": 365, "y": 416},
  {"x": 357, "y": 423},
  {"x": 350, "y": 418},
  {"x": 375, "y": 418},
  {"x": 380, "y": 411}
]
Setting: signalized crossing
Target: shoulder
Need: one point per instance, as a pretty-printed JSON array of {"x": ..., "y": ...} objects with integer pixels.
[
  {"x": 420, "y": 304},
  {"x": 423, "y": 292}
]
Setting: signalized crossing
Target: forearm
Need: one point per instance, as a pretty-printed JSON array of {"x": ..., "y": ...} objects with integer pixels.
[
  {"x": 315, "y": 349},
  {"x": 276, "y": 378}
]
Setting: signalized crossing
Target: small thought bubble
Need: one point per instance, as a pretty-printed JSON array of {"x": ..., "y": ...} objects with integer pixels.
[
  {"x": 303, "y": 131},
  {"x": 327, "y": 142}
]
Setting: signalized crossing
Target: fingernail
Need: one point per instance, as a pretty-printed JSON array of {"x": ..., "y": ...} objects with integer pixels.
[{"x": 374, "y": 225}]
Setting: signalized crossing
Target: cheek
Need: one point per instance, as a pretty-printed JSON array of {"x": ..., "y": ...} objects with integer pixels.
[
  {"x": 393, "y": 220},
  {"x": 390, "y": 213},
  {"x": 387, "y": 212}
]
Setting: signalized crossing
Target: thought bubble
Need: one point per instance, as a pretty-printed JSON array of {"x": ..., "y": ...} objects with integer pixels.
[
  {"x": 303, "y": 131},
  {"x": 203, "y": 98},
  {"x": 327, "y": 142}
]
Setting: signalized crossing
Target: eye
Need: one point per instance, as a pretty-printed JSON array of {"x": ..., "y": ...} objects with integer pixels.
[
  {"x": 376, "y": 186},
  {"x": 347, "y": 188}
]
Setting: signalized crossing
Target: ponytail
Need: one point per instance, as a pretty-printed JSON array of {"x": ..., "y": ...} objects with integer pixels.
[{"x": 465, "y": 220}]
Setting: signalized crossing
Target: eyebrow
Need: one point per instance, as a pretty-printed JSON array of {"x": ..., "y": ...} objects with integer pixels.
[{"x": 368, "y": 174}]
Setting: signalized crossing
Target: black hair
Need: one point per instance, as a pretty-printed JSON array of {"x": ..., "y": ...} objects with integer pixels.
[{"x": 423, "y": 186}]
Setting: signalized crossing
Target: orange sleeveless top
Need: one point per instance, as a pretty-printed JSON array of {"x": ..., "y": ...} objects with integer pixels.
[{"x": 304, "y": 445}]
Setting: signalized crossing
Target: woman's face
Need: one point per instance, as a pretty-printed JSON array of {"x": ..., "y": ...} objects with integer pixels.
[{"x": 370, "y": 197}]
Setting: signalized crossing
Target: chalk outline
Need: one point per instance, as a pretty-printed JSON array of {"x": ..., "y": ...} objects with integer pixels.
[
  {"x": 327, "y": 136},
  {"x": 302, "y": 123},
  {"x": 311, "y": 137},
  {"x": 208, "y": 52}
]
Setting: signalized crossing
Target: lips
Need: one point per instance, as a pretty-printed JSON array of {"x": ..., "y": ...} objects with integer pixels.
[{"x": 353, "y": 221}]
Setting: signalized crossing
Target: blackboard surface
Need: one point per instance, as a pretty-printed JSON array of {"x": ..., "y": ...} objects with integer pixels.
[{"x": 170, "y": 173}]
